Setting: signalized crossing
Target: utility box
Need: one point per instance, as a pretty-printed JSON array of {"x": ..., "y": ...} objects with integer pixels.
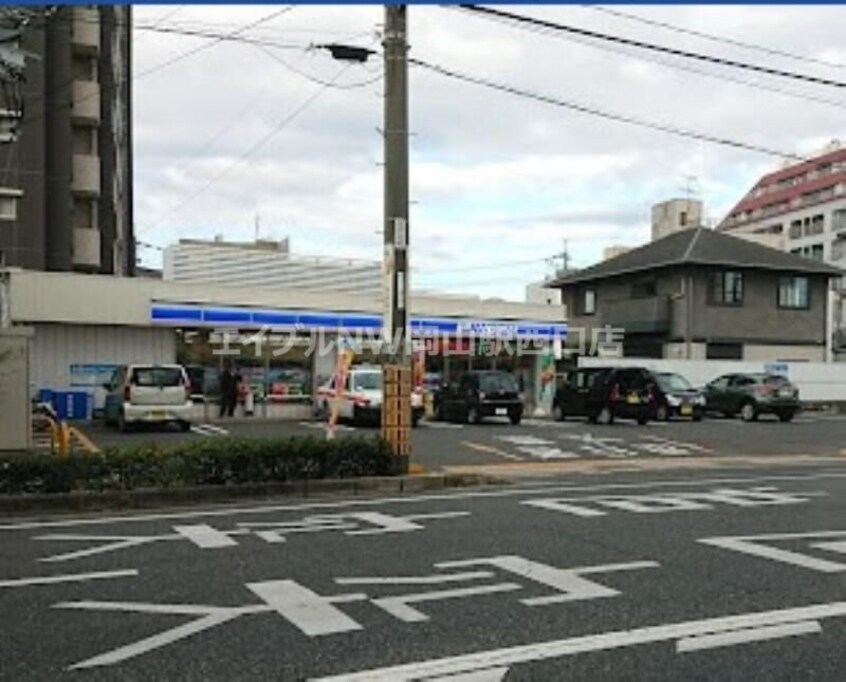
[{"x": 15, "y": 405}]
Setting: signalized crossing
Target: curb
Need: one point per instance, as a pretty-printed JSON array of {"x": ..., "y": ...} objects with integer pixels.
[{"x": 146, "y": 498}]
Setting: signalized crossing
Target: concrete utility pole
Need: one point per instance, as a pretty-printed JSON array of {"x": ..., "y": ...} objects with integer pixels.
[{"x": 396, "y": 412}]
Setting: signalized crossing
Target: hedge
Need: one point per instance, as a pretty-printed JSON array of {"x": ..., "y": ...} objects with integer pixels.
[{"x": 218, "y": 461}]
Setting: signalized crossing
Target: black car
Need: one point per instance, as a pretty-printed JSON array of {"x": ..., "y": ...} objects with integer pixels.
[
  {"x": 476, "y": 394},
  {"x": 603, "y": 394},
  {"x": 676, "y": 397}
]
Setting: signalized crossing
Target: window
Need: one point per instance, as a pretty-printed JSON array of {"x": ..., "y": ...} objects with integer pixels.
[
  {"x": 683, "y": 219},
  {"x": 9, "y": 122},
  {"x": 838, "y": 220},
  {"x": 796, "y": 229},
  {"x": 793, "y": 292},
  {"x": 9, "y": 203},
  {"x": 838, "y": 249},
  {"x": 727, "y": 287},
  {"x": 589, "y": 302},
  {"x": 645, "y": 289},
  {"x": 816, "y": 251},
  {"x": 814, "y": 225}
]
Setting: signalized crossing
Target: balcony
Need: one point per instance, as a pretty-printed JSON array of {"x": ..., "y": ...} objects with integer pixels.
[
  {"x": 639, "y": 315},
  {"x": 85, "y": 32},
  {"x": 86, "y": 175},
  {"x": 86, "y": 248},
  {"x": 86, "y": 102}
]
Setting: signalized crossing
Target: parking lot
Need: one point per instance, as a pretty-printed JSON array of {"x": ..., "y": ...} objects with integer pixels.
[{"x": 440, "y": 446}]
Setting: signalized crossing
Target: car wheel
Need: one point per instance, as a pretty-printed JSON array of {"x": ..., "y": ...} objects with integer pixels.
[
  {"x": 473, "y": 416},
  {"x": 786, "y": 416},
  {"x": 748, "y": 412},
  {"x": 662, "y": 414},
  {"x": 185, "y": 425},
  {"x": 643, "y": 421},
  {"x": 557, "y": 413},
  {"x": 605, "y": 416},
  {"x": 515, "y": 418}
]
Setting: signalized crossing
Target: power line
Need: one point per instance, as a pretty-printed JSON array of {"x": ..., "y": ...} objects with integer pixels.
[
  {"x": 522, "y": 21},
  {"x": 593, "y": 111},
  {"x": 253, "y": 149},
  {"x": 650, "y": 59},
  {"x": 718, "y": 39}
]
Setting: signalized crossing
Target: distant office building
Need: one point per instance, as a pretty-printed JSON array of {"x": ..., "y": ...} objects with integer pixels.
[
  {"x": 269, "y": 265},
  {"x": 537, "y": 293},
  {"x": 614, "y": 250},
  {"x": 66, "y": 173},
  {"x": 675, "y": 215}
]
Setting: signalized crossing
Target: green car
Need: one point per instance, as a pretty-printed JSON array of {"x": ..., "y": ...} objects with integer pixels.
[{"x": 750, "y": 395}]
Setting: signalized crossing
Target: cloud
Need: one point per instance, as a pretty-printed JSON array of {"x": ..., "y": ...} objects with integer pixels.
[{"x": 232, "y": 132}]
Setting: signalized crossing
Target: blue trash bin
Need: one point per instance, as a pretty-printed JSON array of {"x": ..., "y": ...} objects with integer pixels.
[{"x": 72, "y": 404}]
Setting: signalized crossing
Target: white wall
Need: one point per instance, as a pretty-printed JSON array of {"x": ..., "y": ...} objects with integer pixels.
[
  {"x": 56, "y": 347},
  {"x": 816, "y": 381}
]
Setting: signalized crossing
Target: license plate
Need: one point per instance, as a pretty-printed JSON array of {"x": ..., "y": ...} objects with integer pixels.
[
  {"x": 686, "y": 409},
  {"x": 633, "y": 400},
  {"x": 501, "y": 411},
  {"x": 786, "y": 393},
  {"x": 158, "y": 414}
]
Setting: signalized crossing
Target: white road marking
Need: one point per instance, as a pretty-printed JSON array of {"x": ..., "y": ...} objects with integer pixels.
[
  {"x": 112, "y": 543},
  {"x": 68, "y": 578},
  {"x": 753, "y": 544},
  {"x": 838, "y": 546},
  {"x": 677, "y": 501},
  {"x": 416, "y": 580},
  {"x": 489, "y": 675},
  {"x": 615, "y": 639},
  {"x": 312, "y": 613},
  {"x": 677, "y": 443},
  {"x": 439, "y": 425},
  {"x": 411, "y": 499},
  {"x": 205, "y": 537},
  {"x": 569, "y": 583},
  {"x": 400, "y": 606},
  {"x": 208, "y": 430},
  {"x": 747, "y": 635},
  {"x": 321, "y": 426}
]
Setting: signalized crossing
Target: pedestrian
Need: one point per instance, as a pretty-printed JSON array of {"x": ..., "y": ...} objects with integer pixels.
[{"x": 228, "y": 391}]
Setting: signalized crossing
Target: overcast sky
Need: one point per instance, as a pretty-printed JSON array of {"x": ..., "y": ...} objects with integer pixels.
[{"x": 498, "y": 182}]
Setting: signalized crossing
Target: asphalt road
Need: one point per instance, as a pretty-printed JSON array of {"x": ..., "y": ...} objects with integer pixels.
[
  {"x": 439, "y": 446},
  {"x": 696, "y": 576}
]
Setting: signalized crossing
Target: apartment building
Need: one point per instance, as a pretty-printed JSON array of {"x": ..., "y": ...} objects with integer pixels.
[
  {"x": 266, "y": 264},
  {"x": 66, "y": 170},
  {"x": 803, "y": 203}
]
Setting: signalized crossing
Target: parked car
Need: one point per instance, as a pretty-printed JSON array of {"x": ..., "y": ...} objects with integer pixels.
[
  {"x": 603, "y": 394},
  {"x": 750, "y": 395},
  {"x": 148, "y": 394},
  {"x": 476, "y": 394},
  {"x": 676, "y": 397},
  {"x": 361, "y": 397}
]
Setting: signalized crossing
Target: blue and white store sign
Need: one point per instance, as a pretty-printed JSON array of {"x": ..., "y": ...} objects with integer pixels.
[{"x": 193, "y": 315}]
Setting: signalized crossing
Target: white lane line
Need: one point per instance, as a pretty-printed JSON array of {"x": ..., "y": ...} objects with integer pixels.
[
  {"x": 747, "y": 636},
  {"x": 750, "y": 544},
  {"x": 206, "y": 430},
  {"x": 490, "y": 675},
  {"x": 205, "y": 536},
  {"x": 544, "y": 489},
  {"x": 615, "y": 639},
  {"x": 68, "y": 578},
  {"x": 214, "y": 428}
]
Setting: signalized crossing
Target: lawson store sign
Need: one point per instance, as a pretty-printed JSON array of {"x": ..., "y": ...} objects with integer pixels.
[{"x": 188, "y": 315}]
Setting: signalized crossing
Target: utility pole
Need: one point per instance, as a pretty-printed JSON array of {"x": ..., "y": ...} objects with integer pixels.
[{"x": 396, "y": 412}]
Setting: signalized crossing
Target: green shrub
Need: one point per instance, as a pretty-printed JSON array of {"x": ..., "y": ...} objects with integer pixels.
[{"x": 218, "y": 461}]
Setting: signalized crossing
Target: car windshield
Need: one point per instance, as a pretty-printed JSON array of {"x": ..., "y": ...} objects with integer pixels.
[
  {"x": 367, "y": 381},
  {"x": 497, "y": 381},
  {"x": 673, "y": 382},
  {"x": 157, "y": 376}
]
